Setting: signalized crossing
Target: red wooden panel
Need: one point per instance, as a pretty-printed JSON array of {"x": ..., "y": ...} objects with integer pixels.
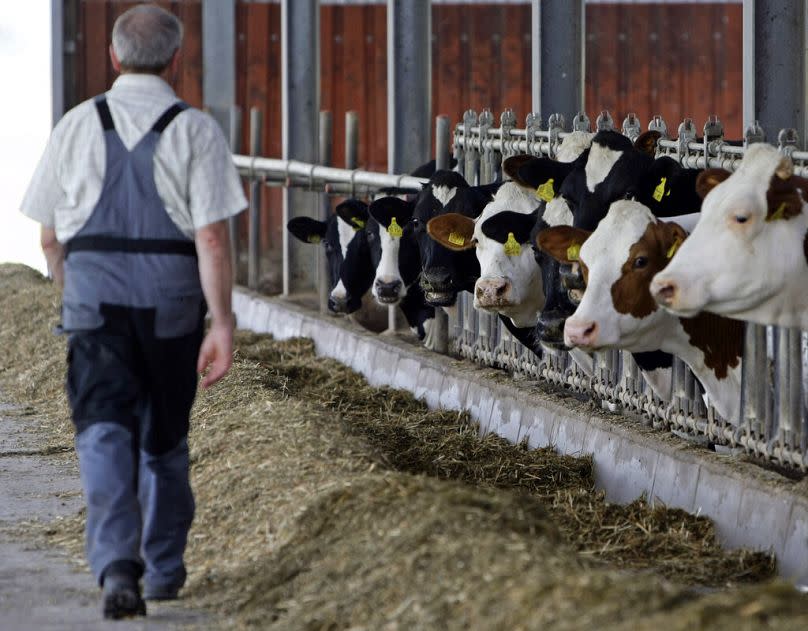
[
  {"x": 377, "y": 88},
  {"x": 96, "y": 42},
  {"x": 189, "y": 84},
  {"x": 480, "y": 55},
  {"x": 515, "y": 56},
  {"x": 447, "y": 67}
]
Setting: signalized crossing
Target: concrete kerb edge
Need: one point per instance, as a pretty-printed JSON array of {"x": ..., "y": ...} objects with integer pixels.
[{"x": 629, "y": 460}]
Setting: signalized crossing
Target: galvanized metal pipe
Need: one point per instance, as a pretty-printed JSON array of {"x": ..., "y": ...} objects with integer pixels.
[
  {"x": 326, "y": 152},
  {"x": 254, "y": 228},
  {"x": 234, "y": 128},
  {"x": 300, "y": 110}
]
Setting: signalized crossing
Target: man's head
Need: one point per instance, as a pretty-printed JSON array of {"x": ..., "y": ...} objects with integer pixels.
[{"x": 145, "y": 39}]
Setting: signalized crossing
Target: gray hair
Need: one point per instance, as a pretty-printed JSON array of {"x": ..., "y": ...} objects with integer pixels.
[{"x": 145, "y": 38}]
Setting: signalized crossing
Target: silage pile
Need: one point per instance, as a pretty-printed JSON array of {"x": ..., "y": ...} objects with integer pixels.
[{"x": 326, "y": 504}]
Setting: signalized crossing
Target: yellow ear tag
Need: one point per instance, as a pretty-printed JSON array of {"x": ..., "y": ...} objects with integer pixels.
[
  {"x": 356, "y": 221},
  {"x": 456, "y": 239},
  {"x": 673, "y": 248},
  {"x": 659, "y": 191},
  {"x": 511, "y": 246},
  {"x": 394, "y": 230},
  {"x": 573, "y": 252},
  {"x": 314, "y": 238},
  {"x": 779, "y": 213},
  {"x": 545, "y": 191}
]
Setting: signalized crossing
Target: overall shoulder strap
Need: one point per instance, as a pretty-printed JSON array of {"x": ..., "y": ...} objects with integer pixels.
[
  {"x": 168, "y": 116},
  {"x": 103, "y": 112}
]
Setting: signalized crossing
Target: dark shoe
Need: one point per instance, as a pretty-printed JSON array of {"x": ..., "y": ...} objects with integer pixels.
[
  {"x": 121, "y": 597},
  {"x": 161, "y": 592}
]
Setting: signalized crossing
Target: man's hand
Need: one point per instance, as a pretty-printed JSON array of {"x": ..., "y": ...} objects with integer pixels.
[
  {"x": 54, "y": 254},
  {"x": 216, "y": 353}
]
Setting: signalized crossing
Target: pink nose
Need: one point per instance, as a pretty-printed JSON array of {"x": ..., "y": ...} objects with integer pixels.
[
  {"x": 492, "y": 292},
  {"x": 580, "y": 333},
  {"x": 664, "y": 291}
]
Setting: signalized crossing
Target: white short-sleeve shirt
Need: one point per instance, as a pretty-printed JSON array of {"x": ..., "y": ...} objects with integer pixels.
[{"x": 193, "y": 167}]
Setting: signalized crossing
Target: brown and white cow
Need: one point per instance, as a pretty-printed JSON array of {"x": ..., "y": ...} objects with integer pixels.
[
  {"x": 748, "y": 255},
  {"x": 618, "y": 261}
]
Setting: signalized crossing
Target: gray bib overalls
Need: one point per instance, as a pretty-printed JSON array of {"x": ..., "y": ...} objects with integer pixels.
[{"x": 134, "y": 309}]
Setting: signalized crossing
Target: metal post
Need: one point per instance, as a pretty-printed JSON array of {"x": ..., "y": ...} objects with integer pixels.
[
  {"x": 57, "y": 60},
  {"x": 442, "y": 161},
  {"x": 409, "y": 45},
  {"x": 326, "y": 158},
  {"x": 558, "y": 56},
  {"x": 774, "y": 65},
  {"x": 234, "y": 126},
  {"x": 254, "y": 241},
  {"x": 219, "y": 58}
]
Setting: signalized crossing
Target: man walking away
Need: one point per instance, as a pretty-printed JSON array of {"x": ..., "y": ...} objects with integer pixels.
[{"x": 133, "y": 193}]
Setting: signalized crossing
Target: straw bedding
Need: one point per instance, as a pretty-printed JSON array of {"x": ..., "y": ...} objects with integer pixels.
[{"x": 323, "y": 503}]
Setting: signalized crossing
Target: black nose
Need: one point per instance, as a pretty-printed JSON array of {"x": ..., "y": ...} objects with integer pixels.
[
  {"x": 337, "y": 306},
  {"x": 436, "y": 280},
  {"x": 388, "y": 289},
  {"x": 550, "y": 329}
]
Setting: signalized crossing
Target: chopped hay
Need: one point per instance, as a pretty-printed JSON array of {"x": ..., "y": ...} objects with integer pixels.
[{"x": 323, "y": 503}]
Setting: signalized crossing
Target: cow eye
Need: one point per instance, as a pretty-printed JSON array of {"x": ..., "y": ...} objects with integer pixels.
[
  {"x": 741, "y": 218},
  {"x": 641, "y": 262}
]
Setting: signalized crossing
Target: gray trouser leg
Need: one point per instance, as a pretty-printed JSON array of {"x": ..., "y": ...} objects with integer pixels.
[
  {"x": 168, "y": 510},
  {"x": 109, "y": 478}
]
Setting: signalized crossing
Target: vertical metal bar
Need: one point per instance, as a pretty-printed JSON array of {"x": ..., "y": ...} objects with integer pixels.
[
  {"x": 748, "y": 63},
  {"x": 351, "y": 139},
  {"x": 326, "y": 152},
  {"x": 561, "y": 73},
  {"x": 753, "y": 379},
  {"x": 57, "y": 60},
  {"x": 254, "y": 240},
  {"x": 234, "y": 127},
  {"x": 779, "y": 65},
  {"x": 409, "y": 83},
  {"x": 219, "y": 58},
  {"x": 300, "y": 110},
  {"x": 442, "y": 161},
  {"x": 535, "y": 57}
]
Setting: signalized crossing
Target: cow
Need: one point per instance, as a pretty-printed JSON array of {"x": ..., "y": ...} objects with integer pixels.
[
  {"x": 444, "y": 272},
  {"x": 618, "y": 261},
  {"x": 747, "y": 257},
  {"x": 394, "y": 256},
  {"x": 579, "y": 194},
  {"x": 347, "y": 252}
]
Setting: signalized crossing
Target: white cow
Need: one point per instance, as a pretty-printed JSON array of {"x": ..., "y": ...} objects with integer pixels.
[
  {"x": 748, "y": 255},
  {"x": 617, "y": 310}
]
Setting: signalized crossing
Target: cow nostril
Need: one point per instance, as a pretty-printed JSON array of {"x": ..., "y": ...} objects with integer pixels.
[
  {"x": 666, "y": 292},
  {"x": 479, "y": 292},
  {"x": 591, "y": 330},
  {"x": 502, "y": 289}
]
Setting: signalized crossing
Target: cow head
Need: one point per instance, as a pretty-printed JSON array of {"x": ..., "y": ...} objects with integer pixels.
[
  {"x": 509, "y": 282},
  {"x": 746, "y": 257},
  {"x": 445, "y": 272},
  {"x": 618, "y": 261},
  {"x": 393, "y": 248},
  {"x": 347, "y": 252}
]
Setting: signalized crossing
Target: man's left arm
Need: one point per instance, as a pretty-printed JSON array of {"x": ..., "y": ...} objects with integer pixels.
[{"x": 54, "y": 254}]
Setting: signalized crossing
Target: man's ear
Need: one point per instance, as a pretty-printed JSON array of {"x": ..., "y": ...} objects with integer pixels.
[
  {"x": 563, "y": 243},
  {"x": 453, "y": 231},
  {"x": 116, "y": 64},
  {"x": 306, "y": 229},
  {"x": 709, "y": 179},
  {"x": 672, "y": 235}
]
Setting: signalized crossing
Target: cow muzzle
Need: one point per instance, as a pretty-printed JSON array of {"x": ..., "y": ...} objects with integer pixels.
[
  {"x": 581, "y": 333},
  {"x": 493, "y": 293},
  {"x": 550, "y": 330},
  {"x": 338, "y": 304},
  {"x": 665, "y": 291},
  {"x": 388, "y": 293},
  {"x": 438, "y": 288}
]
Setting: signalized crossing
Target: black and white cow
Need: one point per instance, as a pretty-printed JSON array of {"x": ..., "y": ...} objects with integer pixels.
[
  {"x": 347, "y": 252},
  {"x": 618, "y": 261},
  {"x": 748, "y": 255},
  {"x": 444, "y": 272}
]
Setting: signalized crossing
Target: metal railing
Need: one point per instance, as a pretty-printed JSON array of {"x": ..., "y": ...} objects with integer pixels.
[{"x": 774, "y": 399}]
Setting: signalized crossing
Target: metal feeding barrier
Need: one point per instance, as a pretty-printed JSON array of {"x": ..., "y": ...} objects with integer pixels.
[{"x": 774, "y": 392}]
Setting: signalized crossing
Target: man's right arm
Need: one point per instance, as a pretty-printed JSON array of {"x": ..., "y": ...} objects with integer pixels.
[
  {"x": 54, "y": 254},
  {"x": 215, "y": 273}
]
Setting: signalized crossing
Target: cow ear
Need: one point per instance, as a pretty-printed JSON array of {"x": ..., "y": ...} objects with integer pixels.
[
  {"x": 563, "y": 243},
  {"x": 647, "y": 142},
  {"x": 709, "y": 179},
  {"x": 354, "y": 213},
  {"x": 512, "y": 165},
  {"x": 453, "y": 231},
  {"x": 385, "y": 209},
  {"x": 785, "y": 198},
  {"x": 544, "y": 176},
  {"x": 671, "y": 237},
  {"x": 307, "y": 229}
]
